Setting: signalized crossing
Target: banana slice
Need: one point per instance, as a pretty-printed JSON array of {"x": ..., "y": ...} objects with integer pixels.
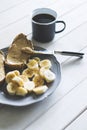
[
  {"x": 42, "y": 69},
  {"x": 18, "y": 81},
  {"x": 17, "y": 73},
  {"x": 49, "y": 76},
  {"x": 10, "y": 75},
  {"x": 40, "y": 89},
  {"x": 37, "y": 59},
  {"x": 24, "y": 78},
  {"x": 21, "y": 91},
  {"x": 30, "y": 85},
  {"x": 45, "y": 63},
  {"x": 33, "y": 64},
  {"x": 28, "y": 72},
  {"x": 36, "y": 72},
  {"x": 38, "y": 80},
  {"x": 11, "y": 88}
]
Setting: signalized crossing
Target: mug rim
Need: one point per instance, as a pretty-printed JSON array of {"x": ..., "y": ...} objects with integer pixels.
[{"x": 44, "y": 11}]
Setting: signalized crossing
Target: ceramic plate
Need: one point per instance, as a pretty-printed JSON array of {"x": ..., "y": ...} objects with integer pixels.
[{"x": 7, "y": 99}]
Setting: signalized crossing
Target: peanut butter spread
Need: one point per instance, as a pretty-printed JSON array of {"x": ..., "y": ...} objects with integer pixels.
[{"x": 15, "y": 56}]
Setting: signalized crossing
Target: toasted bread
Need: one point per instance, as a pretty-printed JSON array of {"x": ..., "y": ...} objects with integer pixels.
[
  {"x": 2, "y": 69},
  {"x": 15, "y": 57}
]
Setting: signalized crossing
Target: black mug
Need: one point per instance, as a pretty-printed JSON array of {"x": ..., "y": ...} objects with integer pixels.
[{"x": 43, "y": 24}]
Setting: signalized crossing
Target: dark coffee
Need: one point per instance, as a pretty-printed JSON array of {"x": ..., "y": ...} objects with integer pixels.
[
  {"x": 44, "y": 25},
  {"x": 43, "y": 18}
]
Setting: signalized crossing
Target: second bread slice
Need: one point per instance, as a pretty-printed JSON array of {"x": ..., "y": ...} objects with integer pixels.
[{"x": 2, "y": 69}]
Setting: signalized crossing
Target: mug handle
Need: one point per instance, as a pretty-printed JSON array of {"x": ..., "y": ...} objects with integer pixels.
[{"x": 63, "y": 27}]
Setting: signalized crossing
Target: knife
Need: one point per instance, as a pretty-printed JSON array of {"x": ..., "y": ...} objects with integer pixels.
[{"x": 66, "y": 53}]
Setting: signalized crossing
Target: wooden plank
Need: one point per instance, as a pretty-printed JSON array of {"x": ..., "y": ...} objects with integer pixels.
[
  {"x": 64, "y": 111},
  {"x": 6, "y": 5},
  {"x": 25, "y": 9},
  {"x": 48, "y": 2},
  {"x": 63, "y": 7},
  {"x": 24, "y": 25},
  {"x": 18, "y": 12},
  {"x": 80, "y": 123},
  {"x": 9, "y": 33}
]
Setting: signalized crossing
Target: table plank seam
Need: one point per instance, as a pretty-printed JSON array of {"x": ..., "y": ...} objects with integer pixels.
[
  {"x": 75, "y": 118},
  {"x": 73, "y": 9},
  {"x": 27, "y": 15},
  {"x": 85, "y": 22},
  {"x": 13, "y": 6},
  {"x": 77, "y": 85}
]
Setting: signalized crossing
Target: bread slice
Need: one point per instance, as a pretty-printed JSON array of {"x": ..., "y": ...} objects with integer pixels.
[
  {"x": 2, "y": 69},
  {"x": 15, "y": 57}
]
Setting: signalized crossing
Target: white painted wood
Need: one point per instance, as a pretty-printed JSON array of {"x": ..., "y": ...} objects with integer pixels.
[
  {"x": 48, "y": 2},
  {"x": 23, "y": 10},
  {"x": 9, "y": 33},
  {"x": 24, "y": 25},
  {"x": 63, "y": 111},
  {"x": 63, "y": 7},
  {"x": 6, "y": 5},
  {"x": 69, "y": 99},
  {"x": 80, "y": 123},
  {"x": 17, "y": 12}
]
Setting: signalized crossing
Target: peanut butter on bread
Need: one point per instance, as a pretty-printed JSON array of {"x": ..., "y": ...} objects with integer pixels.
[
  {"x": 2, "y": 69},
  {"x": 15, "y": 57}
]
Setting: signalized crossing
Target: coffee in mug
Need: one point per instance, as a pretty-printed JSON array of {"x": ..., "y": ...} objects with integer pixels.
[{"x": 43, "y": 24}]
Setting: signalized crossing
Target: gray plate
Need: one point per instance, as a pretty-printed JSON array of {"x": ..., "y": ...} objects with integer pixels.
[{"x": 7, "y": 99}]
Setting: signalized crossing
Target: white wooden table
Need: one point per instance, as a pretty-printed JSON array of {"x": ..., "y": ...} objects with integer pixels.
[{"x": 66, "y": 108}]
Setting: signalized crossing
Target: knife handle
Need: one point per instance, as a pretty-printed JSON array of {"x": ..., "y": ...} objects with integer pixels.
[{"x": 67, "y": 53}]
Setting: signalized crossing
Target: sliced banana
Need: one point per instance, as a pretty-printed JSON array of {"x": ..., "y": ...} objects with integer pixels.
[
  {"x": 37, "y": 59},
  {"x": 42, "y": 69},
  {"x": 10, "y": 75},
  {"x": 36, "y": 72},
  {"x": 49, "y": 76},
  {"x": 40, "y": 89},
  {"x": 24, "y": 78},
  {"x": 33, "y": 64},
  {"x": 45, "y": 63},
  {"x": 21, "y": 91},
  {"x": 18, "y": 81},
  {"x": 11, "y": 88},
  {"x": 30, "y": 85},
  {"x": 28, "y": 72},
  {"x": 17, "y": 73},
  {"x": 38, "y": 80}
]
